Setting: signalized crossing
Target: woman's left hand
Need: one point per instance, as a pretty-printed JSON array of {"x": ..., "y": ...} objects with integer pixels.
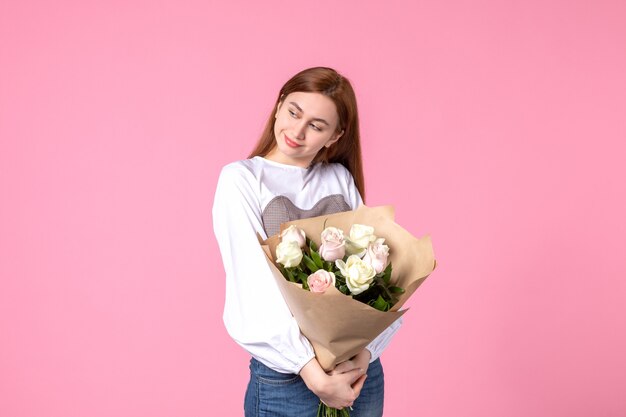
[{"x": 361, "y": 360}]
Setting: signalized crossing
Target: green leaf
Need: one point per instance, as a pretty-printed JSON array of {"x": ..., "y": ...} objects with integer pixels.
[
  {"x": 309, "y": 263},
  {"x": 316, "y": 258},
  {"x": 380, "y": 304},
  {"x": 302, "y": 277},
  {"x": 283, "y": 271},
  {"x": 290, "y": 275},
  {"x": 387, "y": 274},
  {"x": 396, "y": 290},
  {"x": 312, "y": 245}
]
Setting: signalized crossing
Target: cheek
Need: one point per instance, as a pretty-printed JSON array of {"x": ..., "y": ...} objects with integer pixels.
[
  {"x": 280, "y": 123},
  {"x": 324, "y": 138},
  {"x": 277, "y": 126}
]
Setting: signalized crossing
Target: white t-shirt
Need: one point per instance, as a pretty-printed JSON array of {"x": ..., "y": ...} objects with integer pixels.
[{"x": 254, "y": 196}]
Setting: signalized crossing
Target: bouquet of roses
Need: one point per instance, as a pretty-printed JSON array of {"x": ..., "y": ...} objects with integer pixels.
[
  {"x": 356, "y": 265},
  {"x": 352, "y": 294}
]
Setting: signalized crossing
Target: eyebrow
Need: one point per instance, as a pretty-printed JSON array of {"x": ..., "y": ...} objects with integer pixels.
[{"x": 316, "y": 119}]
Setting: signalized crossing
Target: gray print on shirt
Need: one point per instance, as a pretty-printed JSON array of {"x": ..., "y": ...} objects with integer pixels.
[{"x": 280, "y": 210}]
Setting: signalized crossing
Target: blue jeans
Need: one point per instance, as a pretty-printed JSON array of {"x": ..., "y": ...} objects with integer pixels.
[{"x": 273, "y": 394}]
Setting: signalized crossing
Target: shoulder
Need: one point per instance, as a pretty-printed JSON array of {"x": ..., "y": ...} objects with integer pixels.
[
  {"x": 237, "y": 184},
  {"x": 238, "y": 172},
  {"x": 346, "y": 182},
  {"x": 337, "y": 170}
]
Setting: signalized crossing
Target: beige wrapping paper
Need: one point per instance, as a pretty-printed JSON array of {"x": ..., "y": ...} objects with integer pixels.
[{"x": 337, "y": 326}]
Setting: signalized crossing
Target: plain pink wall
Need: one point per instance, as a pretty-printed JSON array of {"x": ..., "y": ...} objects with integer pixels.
[{"x": 496, "y": 127}]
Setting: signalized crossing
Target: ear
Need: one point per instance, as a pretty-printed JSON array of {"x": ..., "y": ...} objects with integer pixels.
[
  {"x": 280, "y": 102},
  {"x": 334, "y": 139},
  {"x": 277, "y": 109}
]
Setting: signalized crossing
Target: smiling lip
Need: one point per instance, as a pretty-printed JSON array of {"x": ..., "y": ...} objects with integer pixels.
[{"x": 291, "y": 143}]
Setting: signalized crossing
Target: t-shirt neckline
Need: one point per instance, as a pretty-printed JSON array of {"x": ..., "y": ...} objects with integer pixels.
[{"x": 282, "y": 165}]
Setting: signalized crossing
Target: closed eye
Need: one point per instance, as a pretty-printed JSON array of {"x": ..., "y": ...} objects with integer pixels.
[{"x": 295, "y": 115}]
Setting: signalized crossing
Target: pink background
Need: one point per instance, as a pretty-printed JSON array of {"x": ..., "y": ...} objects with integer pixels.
[{"x": 496, "y": 127}]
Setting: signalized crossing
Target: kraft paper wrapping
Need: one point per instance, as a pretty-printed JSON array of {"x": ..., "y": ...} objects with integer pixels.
[{"x": 338, "y": 326}]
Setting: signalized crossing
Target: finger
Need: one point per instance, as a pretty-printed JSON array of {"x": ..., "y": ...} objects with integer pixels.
[
  {"x": 358, "y": 385},
  {"x": 353, "y": 375},
  {"x": 343, "y": 367}
]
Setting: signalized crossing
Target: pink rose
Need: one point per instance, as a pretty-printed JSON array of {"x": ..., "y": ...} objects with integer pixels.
[
  {"x": 333, "y": 245},
  {"x": 376, "y": 255},
  {"x": 293, "y": 234},
  {"x": 320, "y": 280}
]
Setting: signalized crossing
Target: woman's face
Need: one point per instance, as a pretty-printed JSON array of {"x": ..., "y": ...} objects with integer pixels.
[{"x": 305, "y": 123}]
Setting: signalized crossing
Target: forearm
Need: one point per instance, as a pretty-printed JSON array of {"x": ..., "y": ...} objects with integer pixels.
[{"x": 314, "y": 376}]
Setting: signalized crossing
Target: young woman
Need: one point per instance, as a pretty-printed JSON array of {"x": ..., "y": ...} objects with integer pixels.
[{"x": 307, "y": 163}]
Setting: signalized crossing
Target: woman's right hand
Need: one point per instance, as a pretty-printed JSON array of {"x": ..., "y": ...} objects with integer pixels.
[{"x": 336, "y": 391}]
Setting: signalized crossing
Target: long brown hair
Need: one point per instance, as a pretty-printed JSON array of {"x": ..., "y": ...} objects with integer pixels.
[{"x": 347, "y": 150}]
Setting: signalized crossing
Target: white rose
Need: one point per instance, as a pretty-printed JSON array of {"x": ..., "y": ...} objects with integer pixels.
[
  {"x": 288, "y": 254},
  {"x": 377, "y": 254},
  {"x": 294, "y": 234},
  {"x": 358, "y": 274},
  {"x": 360, "y": 238}
]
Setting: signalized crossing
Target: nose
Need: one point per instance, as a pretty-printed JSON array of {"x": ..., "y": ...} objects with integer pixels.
[{"x": 299, "y": 129}]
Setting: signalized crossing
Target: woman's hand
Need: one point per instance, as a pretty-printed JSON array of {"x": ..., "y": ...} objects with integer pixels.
[
  {"x": 338, "y": 390},
  {"x": 361, "y": 361}
]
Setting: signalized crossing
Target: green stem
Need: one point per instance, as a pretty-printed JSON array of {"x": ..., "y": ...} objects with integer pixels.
[{"x": 325, "y": 411}]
